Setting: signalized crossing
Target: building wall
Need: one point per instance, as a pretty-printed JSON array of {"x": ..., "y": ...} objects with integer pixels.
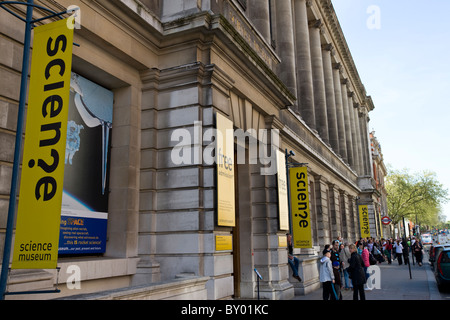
[{"x": 273, "y": 65}]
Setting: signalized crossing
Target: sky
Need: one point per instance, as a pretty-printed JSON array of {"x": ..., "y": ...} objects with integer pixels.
[{"x": 401, "y": 49}]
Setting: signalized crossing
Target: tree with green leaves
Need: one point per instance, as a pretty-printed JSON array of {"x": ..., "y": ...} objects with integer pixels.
[{"x": 415, "y": 196}]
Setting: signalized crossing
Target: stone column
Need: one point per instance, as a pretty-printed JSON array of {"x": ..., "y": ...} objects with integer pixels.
[
  {"x": 259, "y": 14},
  {"x": 304, "y": 69},
  {"x": 354, "y": 119},
  {"x": 359, "y": 146},
  {"x": 320, "y": 101},
  {"x": 348, "y": 123},
  {"x": 366, "y": 143},
  {"x": 327, "y": 52},
  {"x": 285, "y": 45},
  {"x": 351, "y": 112},
  {"x": 342, "y": 132}
]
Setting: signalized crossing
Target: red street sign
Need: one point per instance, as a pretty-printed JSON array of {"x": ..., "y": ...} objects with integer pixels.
[{"x": 386, "y": 220}]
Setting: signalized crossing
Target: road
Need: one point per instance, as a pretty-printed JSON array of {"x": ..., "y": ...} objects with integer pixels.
[{"x": 395, "y": 284}]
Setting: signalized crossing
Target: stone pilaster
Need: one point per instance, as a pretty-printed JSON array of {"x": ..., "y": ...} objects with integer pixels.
[
  {"x": 335, "y": 211},
  {"x": 345, "y": 214},
  {"x": 353, "y": 219},
  {"x": 322, "y": 209},
  {"x": 269, "y": 259}
]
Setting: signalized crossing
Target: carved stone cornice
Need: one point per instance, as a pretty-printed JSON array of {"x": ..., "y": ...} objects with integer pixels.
[{"x": 331, "y": 22}]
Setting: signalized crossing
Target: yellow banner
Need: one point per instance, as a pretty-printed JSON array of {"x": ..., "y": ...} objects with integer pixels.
[
  {"x": 301, "y": 218},
  {"x": 283, "y": 211},
  {"x": 39, "y": 210},
  {"x": 225, "y": 172},
  {"x": 364, "y": 221}
]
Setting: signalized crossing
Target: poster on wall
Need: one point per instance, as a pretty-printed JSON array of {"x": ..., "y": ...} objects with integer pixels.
[
  {"x": 225, "y": 172},
  {"x": 84, "y": 211},
  {"x": 283, "y": 209}
]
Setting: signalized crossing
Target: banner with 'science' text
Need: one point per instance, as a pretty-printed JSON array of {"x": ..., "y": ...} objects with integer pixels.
[
  {"x": 41, "y": 185},
  {"x": 300, "y": 206},
  {"x": 364, "y": 221}
]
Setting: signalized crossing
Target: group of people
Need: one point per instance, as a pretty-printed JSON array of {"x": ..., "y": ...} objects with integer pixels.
[
  {"x": 400, "y": 250},
  {"x": 344, "y": 266}
]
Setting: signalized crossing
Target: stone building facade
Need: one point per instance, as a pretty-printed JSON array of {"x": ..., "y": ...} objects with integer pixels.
[{"x": 281, "y": 66}]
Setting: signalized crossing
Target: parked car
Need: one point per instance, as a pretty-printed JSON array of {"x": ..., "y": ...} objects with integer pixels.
[
  {"x": 434, "y": 252},
  {"x": 442, "y": 272}
]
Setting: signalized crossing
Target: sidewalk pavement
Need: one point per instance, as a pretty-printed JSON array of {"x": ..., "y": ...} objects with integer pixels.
[{"x": 396, "y": 284}]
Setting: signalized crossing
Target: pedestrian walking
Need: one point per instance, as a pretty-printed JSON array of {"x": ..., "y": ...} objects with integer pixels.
[
  {"x": 326, "y": 275},
  {"x": 398, "y": 247},
  {"x": 365, "y": 257},
  {"x": 417, "y": 249},
  {"x": 357, "y": 273},
  {"x": 335, "y": 251}
]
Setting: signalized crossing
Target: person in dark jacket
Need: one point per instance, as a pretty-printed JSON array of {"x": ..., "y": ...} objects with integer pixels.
[
  {"x": 417, "y": 249},
  {"x": 356, "y": 273}
]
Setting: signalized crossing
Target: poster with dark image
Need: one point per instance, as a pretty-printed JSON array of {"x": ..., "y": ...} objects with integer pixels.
[{"x": 84, "y": 211}]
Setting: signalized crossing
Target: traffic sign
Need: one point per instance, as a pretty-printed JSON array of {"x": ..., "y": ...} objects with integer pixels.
[{"x": 386, "y": 220}]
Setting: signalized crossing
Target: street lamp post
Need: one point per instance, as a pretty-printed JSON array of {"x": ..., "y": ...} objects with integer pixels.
[{"x": 407, "y": 256}]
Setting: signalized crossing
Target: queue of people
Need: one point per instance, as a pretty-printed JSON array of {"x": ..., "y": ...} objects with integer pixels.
[{"x": 344, "y": 266}]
